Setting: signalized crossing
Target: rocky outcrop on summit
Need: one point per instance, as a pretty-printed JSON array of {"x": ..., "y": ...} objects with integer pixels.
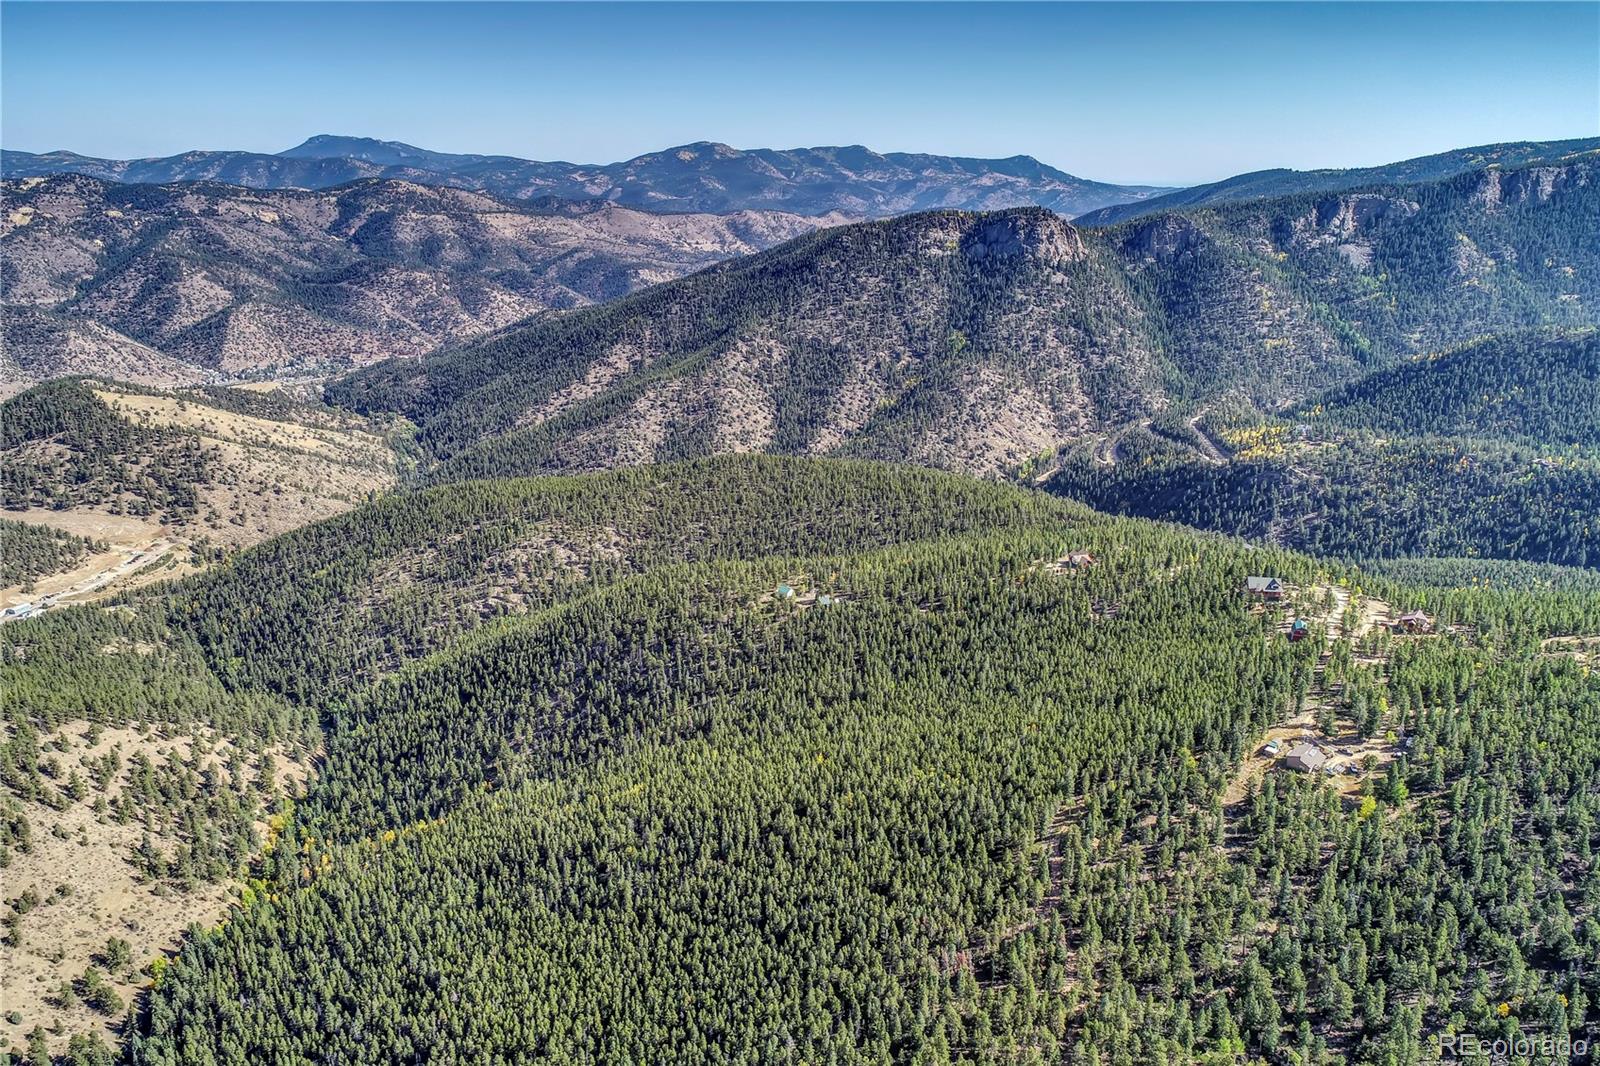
[{"x": 1037, "y": 235}]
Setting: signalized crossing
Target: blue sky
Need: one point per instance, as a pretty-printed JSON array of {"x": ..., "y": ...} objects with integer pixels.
[{"x": 1117, "y": 92}]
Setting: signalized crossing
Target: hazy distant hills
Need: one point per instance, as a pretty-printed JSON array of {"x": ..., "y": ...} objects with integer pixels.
[
  {"x": 978, "y": 341},
  {"x": 710, "y": 177},
  {"x": 165, "y": 284},
  {"x": 694, "y": 177},
  {"x": 1267, "y": 183}
]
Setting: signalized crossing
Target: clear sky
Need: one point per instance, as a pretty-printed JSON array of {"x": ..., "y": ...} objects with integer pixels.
[{"x": 1117, "y": 92}]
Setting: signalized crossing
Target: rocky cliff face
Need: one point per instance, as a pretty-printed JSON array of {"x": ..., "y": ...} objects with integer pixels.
[
  {"x": 1164, "y": 239},
  {"x": 1534, "y": 183},
  {"x": 1037, "y": 235}
]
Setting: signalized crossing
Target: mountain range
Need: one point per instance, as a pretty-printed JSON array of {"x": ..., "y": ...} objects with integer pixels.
[
  {"x": 198, "y": 280},
  {"x": 699, "y": 177},
  {"x": 978, "y": 341},
  {"x": 195, "y": 280}
]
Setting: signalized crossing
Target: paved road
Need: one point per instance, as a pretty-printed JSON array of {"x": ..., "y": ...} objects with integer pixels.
[{"x": 1208, "y": 444}]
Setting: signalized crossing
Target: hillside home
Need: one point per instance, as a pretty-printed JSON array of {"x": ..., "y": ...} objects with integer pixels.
[
  {"x": 1305, "y": 757},
  {"x": 1413, "y": 622},
  {"x": 1264, "y": 588},
  {"x": 1079, "y": 560}
]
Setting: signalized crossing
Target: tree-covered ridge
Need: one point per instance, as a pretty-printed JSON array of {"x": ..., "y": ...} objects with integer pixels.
[
  {"x": 849, "y": 762},
  {"x": 975, "y": 341},
  {"x": 29, "y": 551},
  {"x": 1358, "y": 497},
  {"x": 1453, "y": 573},
  {"x": 1540, "y": 388},
  {"x": 1487, "y": 450},
  {"x": 354, "y": 596},
  {"x": 61, "y": 446},
  {"x": 800, "y": 814}
]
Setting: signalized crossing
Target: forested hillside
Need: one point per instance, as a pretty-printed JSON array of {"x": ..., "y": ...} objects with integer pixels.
[
  {"x": 162, "y": 482},
  {"x": 1486, "y": 450},
  {"x": 1541, "y": 389},
  {"x": 769, "y": 760},
  {"x": 26, "y": 552},
  {"x": 355, "y": 597},
  {"x": 62, "y": 446},
  {"x": 976, "y": 342},
  {"x": 231, "y": 465}
]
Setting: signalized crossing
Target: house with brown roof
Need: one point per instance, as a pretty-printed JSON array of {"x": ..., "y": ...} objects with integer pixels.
[
  {"x": 1305, "y": 757},
  {"x": 1413, "y": 622}
]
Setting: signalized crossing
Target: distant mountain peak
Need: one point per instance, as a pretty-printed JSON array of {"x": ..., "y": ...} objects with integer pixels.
[
  {"x": 336, "y": 146},
  {"x": 697, "y": 150}
]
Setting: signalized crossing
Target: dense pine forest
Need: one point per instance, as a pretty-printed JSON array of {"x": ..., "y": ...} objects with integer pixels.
[
  {"x": 1488, "y": 450},
  {"x": 1538, "y": 388},
  {"x": 776, "y": 760}
]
